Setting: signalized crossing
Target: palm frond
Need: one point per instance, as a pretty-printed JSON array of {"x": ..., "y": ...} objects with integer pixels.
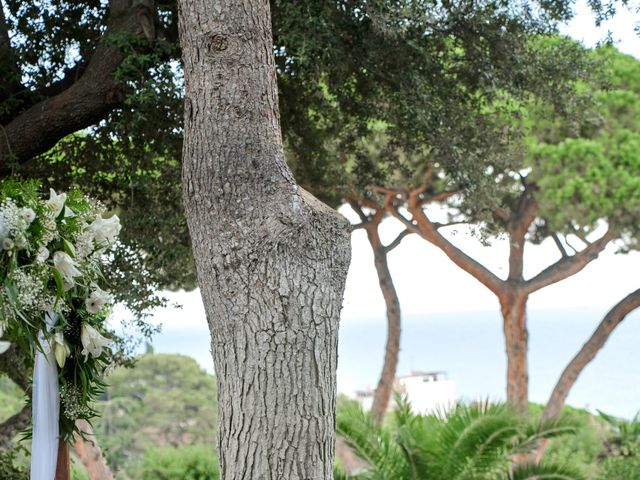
[
  {"x": 477, "y": 438},
  {"x": 372, "y": 444}
]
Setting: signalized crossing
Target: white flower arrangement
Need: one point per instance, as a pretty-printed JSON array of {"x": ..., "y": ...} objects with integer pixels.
[{"x": 51, "y": 253}]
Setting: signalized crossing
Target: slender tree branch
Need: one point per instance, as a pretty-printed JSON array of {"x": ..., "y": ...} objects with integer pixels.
[
  {"x": 355, "y": 206},
  {"x": 412, "y": 227},
  {"x": 397, "y": 240},
  {"x": 582, "y": 238},
  {"x": 426, "y": 178},
  {"x": 440, "y": 197},
  {"x": 517, "y": 228},
  {"x": 501, "y": 213},
  {"x": 439, "y": 225},
  {"x": 86, "y": 101},
  {"x": 556, "y": 240},
  {"x": 385, "y": 190},
  {"x": 568, "y": 266},
  {"x": 587, "y": 353},
  {"x": 427, "y": 230},
  {"x": 363, "y": 202},
  {"x": 566, "y": 240}
]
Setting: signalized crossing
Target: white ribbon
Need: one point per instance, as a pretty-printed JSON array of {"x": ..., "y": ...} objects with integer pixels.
[{"x": 46, "y": 409}]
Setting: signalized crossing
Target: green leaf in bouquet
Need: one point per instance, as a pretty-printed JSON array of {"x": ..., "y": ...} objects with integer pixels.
[
  {"x": 68, "y": 247},
  {"x": 59, "y": 283}
]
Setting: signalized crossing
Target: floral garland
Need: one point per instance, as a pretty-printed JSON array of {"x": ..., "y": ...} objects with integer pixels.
[{"x": 51, "y": 257}]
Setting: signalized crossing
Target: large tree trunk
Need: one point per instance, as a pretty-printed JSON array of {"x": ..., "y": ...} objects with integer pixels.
[
  {"x": 387, "y": 376},
  {"x": 271, "y": 259},
  {"x": 588, "y": 352},
  {"x": 516, "y": 336}
]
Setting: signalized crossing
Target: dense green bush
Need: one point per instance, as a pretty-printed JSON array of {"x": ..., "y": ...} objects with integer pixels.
[
  {"x": 163, "y": 400},
  {"x": 11, "y": 398},
  {"x": 620, "y": 468},
  {"x": 197, "y": 462},
  {"x": 8, "y": 469}
]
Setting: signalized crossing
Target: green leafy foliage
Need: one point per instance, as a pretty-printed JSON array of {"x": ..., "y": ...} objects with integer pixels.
[
  {"x": 620, "y": 468},
  {"x": 594, "y": 174},
  {"x": 469, "y": 442},
  {"x": 166, "y": 400},
  {"x": 197, "y": 462},
  {"x": 625, "y": 441},
  {"x": 11, "y": 398},
  {"x": 423, "y": 68},
  {"x": 8, "y": 468}
]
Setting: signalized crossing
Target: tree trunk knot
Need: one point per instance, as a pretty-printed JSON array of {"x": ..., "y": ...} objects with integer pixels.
[{"x": 217, "y": 43}]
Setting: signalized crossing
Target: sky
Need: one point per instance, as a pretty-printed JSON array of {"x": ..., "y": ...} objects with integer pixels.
[{"x": 428, "y": 283}]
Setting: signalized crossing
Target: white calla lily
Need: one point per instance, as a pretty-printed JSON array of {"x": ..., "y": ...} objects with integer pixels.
[
  {"x": 92, "y": 341},
  {"x": 4, "y": 346},
  {"x": 56, "y": 202},
  {"x": 61, "y": 349},
  {"x": 67, "y": 267}
]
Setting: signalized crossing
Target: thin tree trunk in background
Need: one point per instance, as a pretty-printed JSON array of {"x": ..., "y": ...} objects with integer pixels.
[
  {"x": 90, "y": 454},
  {"x": 517, "y": 344},
  {"x": 589, "y": 350},
  {"x": 384, "y": 389},
  {"x": 271, "y": 259}
]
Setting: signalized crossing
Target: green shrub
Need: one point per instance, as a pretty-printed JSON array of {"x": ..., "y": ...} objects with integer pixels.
[
  {"x": 8, "y": 469},
  {"x": 197, "y": 462},
  {"x": 621, "y": 468}
]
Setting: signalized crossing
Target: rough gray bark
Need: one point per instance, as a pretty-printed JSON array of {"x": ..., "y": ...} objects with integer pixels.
[{"x": 271, "y": 259}]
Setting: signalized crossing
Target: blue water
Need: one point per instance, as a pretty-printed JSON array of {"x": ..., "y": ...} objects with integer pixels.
[{"x": 470, "y": 347}]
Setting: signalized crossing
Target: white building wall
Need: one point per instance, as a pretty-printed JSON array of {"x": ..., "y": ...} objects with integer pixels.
[{"x": 427, "y": 393}]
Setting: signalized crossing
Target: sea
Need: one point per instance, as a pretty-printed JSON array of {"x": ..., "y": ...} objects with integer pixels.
[{"x": 469, "y": 347}]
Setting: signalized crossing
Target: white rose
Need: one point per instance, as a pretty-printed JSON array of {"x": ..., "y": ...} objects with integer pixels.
[
  {"x": 67, "y": 267},
  {"x": 61, "y": 349},
  {"x": 105, "y": 230},
  {"x": 28, "y": 215},
  {"x": 92, "y": 342},
  {"x": 97, "y": 300},
  {"x": 42, "y": 255},
  {"x": 7, "y": 244}
]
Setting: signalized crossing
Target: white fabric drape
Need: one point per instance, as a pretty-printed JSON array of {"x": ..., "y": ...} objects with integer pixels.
[{"x": 46, "y": 410}]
